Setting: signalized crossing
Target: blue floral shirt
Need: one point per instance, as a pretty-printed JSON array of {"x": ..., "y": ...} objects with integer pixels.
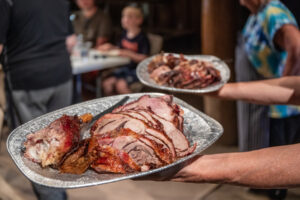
[{"x": 269, "y": 60}]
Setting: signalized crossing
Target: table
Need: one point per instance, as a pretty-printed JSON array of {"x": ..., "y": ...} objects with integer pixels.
[
  {"x": 89, "y": 64},
  {"x": 80, "y": 66}
]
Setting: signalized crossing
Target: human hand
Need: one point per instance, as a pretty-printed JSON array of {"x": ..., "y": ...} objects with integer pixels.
[
  {"x": 70, "y": 42},
  {"x": 190, "y": 172},
  {"x": 106, "y": 47},
  {"x": 222, "y": 93},
  {"x": 123, "y": 53},
  {"x": 171, "y": 174}
]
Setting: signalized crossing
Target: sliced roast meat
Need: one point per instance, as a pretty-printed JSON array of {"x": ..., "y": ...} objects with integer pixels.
[
  {"x": 179, "y": 140},
  {"x": 159, "y": 72},
  {"x": 112, "y": 160},
  {"x": 107, "y": 158},
  {"x": 101, "y": 123},
  {"x": 158, "y": 105},
  {"x": 167, "y": 98},
  {"x": 142, "y": 135},
  {"x": 137, "y": 115},
  {"x": 179, "y": 72},
  {"x": 156, "y": 62},
  {"x": 138, "y": 152},
  {"x": 165, "y": 150},
  {"x": 155, "y": 123},
  {"x": 144, "y": 116},
  {"x": 114, "y": 126}
]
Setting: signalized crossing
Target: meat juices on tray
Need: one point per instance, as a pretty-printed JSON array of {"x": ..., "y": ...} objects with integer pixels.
[
  {"x": 179, "y": 72},
  {"x": 141, "y": 135}
]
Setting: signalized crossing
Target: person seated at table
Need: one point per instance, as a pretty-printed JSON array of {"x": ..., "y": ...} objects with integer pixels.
[
  {"x": 92, "y": 23},
  {"x": 133, "y": 44},
  {"x": 95, "y": 27}
]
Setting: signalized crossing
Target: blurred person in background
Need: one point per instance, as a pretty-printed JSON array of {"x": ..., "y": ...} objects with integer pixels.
[
  {"x": 93, "y": 28},
  {"x": 34, "y": 33},
  {"x": 133, "y": 44},
  {"x": 92, "y": 23},
  {"x": 269, "y": 47}
]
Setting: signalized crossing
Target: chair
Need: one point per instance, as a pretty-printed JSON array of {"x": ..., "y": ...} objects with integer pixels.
[{"x": 156, "y": 43}]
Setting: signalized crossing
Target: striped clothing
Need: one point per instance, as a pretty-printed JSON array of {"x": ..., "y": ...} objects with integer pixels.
[{"x": 253, "y": 120}]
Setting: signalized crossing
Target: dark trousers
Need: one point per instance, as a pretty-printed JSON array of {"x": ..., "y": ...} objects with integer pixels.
[
  {"x": 285, "y": 131},
  {"x": 34, "y": 103}
]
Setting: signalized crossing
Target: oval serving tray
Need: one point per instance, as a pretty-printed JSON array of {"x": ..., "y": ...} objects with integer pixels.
[
  {"x": 143, "y": 75},
  {"x": 198, "y": 127}
]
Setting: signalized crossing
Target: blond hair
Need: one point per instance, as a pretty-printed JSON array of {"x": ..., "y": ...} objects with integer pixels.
[{"x": 134, "y": 10}]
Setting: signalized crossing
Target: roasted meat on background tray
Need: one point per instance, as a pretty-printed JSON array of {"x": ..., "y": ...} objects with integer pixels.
[
  {"x": 51, "y": 144},
  {"x": 178, "y": 72},
  {"x": 141, "y": 135}
]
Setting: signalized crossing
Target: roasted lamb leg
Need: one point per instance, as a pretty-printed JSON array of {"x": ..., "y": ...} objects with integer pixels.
[{"x": 49, "y": 145}]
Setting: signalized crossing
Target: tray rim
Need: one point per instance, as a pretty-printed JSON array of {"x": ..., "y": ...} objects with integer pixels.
[
  {"x": 205, "y": 117},
  {"x": 208, "y": 89}
]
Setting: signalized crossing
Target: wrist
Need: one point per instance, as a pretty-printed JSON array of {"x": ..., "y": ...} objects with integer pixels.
[
  {"x": 225, "y": 169},
  {"x": 214, "y": 169},
  {"x": 123, "y": 52},
  {"x": 229, "y": 91}
]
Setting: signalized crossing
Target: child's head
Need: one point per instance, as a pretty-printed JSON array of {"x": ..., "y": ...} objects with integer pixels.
[{"x": 132, "y": 17}]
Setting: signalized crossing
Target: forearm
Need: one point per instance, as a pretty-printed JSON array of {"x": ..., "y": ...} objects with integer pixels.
[
  {"x": 136, "y": 57},
  {"x": 1, "y": 48},
  {"x": 284, "y": 90},
  {"x": 267, "y": 168},
  {"x": 100, "y": 41}
]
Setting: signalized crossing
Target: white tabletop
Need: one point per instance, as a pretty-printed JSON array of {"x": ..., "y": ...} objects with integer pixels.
[{"x": 85, "y": 65}]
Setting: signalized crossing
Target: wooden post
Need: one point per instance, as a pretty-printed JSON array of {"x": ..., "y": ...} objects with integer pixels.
[{"x": 218, "y": 36}]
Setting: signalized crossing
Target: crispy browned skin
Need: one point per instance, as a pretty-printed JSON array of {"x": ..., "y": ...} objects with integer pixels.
[{"x": 78, "y": 161}]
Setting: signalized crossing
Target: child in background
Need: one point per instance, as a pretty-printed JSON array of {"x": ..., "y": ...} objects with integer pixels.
[{"x": 133, "y": 44}]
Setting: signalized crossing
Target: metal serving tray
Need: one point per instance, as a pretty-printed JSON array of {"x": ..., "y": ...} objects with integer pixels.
[
  {"x": 198, "y": 127},
  {"x": 143, "y": 75}
]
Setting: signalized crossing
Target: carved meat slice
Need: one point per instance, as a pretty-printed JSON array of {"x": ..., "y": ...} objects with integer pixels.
[
  {"x": 123, "y": 151},
  {"x": 158, "y": 72},
  {"x": 165, "y": 148},
  {"x": 158, "y": 105}
]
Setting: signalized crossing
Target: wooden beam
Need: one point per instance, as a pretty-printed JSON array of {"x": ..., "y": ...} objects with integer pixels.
[{"x": 218, "y": 37}]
